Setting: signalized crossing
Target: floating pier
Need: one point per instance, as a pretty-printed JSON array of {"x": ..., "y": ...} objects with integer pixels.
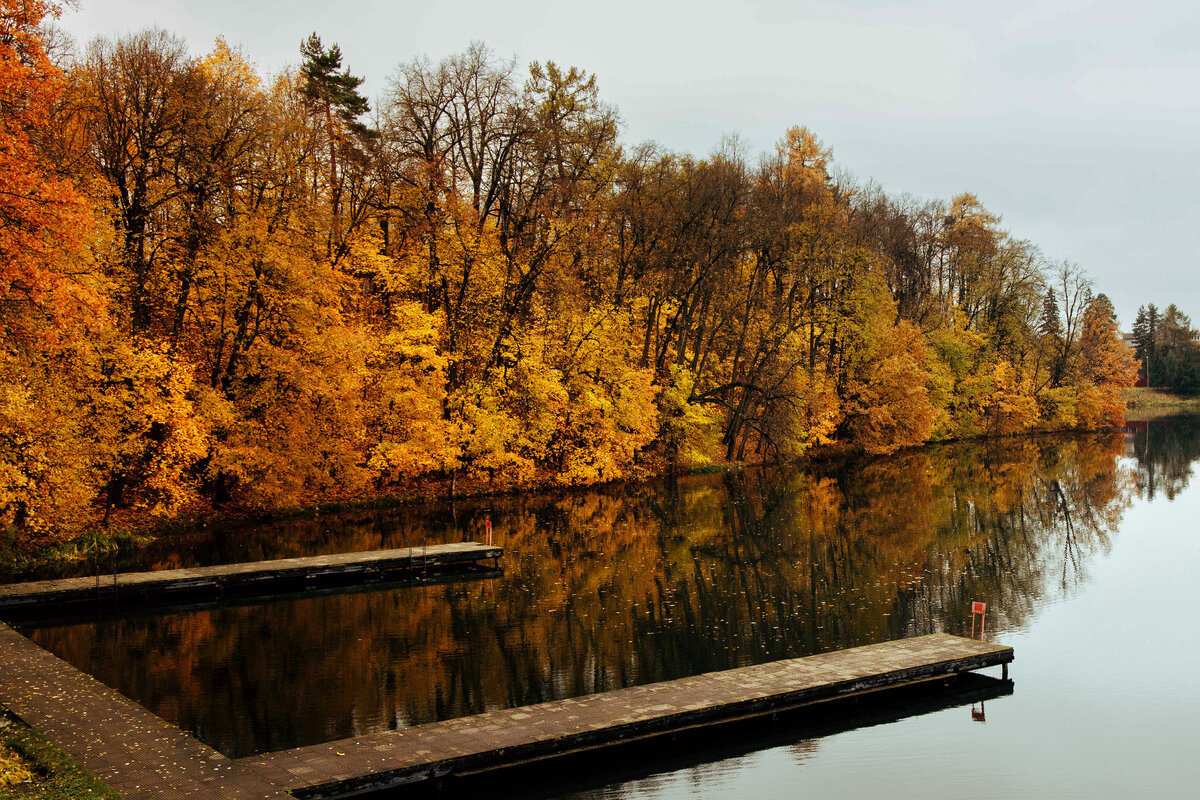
[
  {"x": 140, "y": 755},
  {"x": 247, "y": 577},
  {"x": 42, "y": 617},
  {"x": 518, "y": 736}
]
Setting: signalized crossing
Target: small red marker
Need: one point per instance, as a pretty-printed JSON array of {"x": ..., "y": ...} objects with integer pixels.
[{"x": 979, "y": 609}]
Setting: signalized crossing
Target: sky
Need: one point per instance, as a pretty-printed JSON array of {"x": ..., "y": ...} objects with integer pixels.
[{"x": 1076, "y": 122}]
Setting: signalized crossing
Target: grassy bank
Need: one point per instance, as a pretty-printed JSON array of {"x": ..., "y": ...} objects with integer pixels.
[
  {"x": 17, "y": 556},
  {"x": 1143, "y": 397},
  {"x": 31, "y": 766}
]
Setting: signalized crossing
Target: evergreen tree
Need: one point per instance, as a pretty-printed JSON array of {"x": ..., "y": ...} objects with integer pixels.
[
  {"x": 1176, "y": 362},
  {"x": 329, "y": 90},
  {"x": 1050, "y": 321},
  {"x": 1143, "y": 341},
  {"x": 1141, "y": 335},
  {"x": 1145, "y": 334},
  {"x": 1049, "y": 326},
  {"x": 333, "y": 96}
]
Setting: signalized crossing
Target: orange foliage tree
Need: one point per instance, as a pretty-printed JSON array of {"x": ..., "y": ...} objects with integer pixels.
[
  {"x": 43, "y": 216},
  {"x": 288, "y": 304}
]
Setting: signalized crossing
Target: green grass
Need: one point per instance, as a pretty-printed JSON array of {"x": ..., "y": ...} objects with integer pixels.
[
  {"x": 16, "y": 557},
  {"x": 54, "y": 774},
  {"x": 1143, "y": 397}
]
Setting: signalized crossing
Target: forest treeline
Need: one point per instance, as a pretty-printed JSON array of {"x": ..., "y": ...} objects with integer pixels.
[
  {"x": 223, "y": 287},
  {"x": 1165, "y": 348}
]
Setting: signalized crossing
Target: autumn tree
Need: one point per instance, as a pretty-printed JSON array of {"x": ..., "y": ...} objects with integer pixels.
[
  {"x": 44, "y": 301},
  {"x": 133, "y": 94},
  {"x": 1106, "y": 365},
  {"x": 41, "y": 212},
  {"x": 90, "y": 418},
  {"x": 281, "y": 304}
]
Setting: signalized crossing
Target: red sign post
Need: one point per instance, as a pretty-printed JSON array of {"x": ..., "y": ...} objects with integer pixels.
[
  {"x": 980, "y": 610},
  {"x": 487, "y": 524}
]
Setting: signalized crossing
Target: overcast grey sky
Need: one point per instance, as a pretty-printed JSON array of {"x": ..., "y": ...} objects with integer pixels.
[{"x": 1077, "y": 122}]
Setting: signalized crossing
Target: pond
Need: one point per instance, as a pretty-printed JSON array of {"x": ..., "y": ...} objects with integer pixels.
[{"x": 1083, "y": 547}]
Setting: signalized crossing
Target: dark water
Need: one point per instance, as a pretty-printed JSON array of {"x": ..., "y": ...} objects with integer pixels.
[{"x": 1084, "y": 547}]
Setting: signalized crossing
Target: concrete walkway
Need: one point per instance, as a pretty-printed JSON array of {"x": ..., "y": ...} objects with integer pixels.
[
  {"x": 502, "y": 738},
  {"x": 142, "y": 756},
  {"x": 135, "y": 752},
  {"x": 253, "y": 575}
]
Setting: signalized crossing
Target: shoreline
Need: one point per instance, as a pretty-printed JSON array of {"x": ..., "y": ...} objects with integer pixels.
[
  {"x": 133, "y": 533},
  {"x": 1144, "y": 400}
]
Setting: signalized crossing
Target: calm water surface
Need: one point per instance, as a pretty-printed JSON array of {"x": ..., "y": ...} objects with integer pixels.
[{"x": 1085, "y": 549}]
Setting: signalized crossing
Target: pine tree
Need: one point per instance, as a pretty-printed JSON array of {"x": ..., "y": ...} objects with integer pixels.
[
  {"x": 333, "y": 96},
  {"x": 1050, "y": 327},
  {"x": 328, "y": 89},
  {"x": 1141, "y": 337},
  {"x": 1050, "y": 322},
  {"x": 1148, "y": 346}
]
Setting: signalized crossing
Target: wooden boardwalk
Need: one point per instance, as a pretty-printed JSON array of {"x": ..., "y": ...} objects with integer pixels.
[
  {"x": 135, "y": 752},
  {"x": 251, "y": 576},
  {"x": 55, "y": 616},
  {"x": 510, "y": 737}
]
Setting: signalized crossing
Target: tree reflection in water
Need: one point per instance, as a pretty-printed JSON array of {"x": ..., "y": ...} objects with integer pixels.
[
  {"x": 636, "y": 583},
  {"x": 1164, "y": 449}
]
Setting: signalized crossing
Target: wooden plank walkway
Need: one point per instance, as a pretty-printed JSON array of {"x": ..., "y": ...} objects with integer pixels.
[
  {"x": 135, "y": 752},
  {"x": 247, "y": 576},
  {"x": 515, "y": 736},
  {"x": 30, "y": 618}
]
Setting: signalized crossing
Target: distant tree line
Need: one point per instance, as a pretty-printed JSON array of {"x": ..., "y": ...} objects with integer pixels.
[{"x": 1166, "y": 349}]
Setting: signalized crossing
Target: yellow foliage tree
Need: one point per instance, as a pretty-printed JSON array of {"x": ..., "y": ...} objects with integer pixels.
[
  {"x": 1010, "y": 406},
  {"x": 887, "y": 405}
]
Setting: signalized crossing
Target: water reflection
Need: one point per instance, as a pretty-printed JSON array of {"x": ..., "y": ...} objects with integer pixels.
[
  {"x": 633, "y": 584},
  {"x": 1164, "y": 449}
]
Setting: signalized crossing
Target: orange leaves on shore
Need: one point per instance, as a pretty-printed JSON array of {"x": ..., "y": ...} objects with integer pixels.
[
  {"x": 486, "y": 291},
  {"x": 42, "y": 218},
  {"x": 96, "y": 425}
]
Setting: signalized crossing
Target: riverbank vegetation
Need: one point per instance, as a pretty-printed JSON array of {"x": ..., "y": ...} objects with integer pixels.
[
  {"x": 33, "y": 768},
  {"x": 1156, "y": 399},
  {"x": 219, "y": 288}
]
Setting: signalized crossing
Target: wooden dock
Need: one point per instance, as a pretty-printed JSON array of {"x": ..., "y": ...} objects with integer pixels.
[
  {"x": 138, "y": 754},
  {"x": 248, "y": 577},
  {"x": 142, "y": 756},
  {"x": 513, "y": 737},
  {"x": 41, "y": 617}
]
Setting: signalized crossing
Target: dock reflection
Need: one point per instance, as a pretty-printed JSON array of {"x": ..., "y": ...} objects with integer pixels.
[{"x": 798, "y": 731}]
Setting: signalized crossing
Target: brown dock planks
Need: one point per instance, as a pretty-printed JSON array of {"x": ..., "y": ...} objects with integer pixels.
[
  {"x": 241, "y": 576},
  {"x": 143, "y": 756},
  {"x": 135, "y": 752},
  {"x": 502, "y": 738}
]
